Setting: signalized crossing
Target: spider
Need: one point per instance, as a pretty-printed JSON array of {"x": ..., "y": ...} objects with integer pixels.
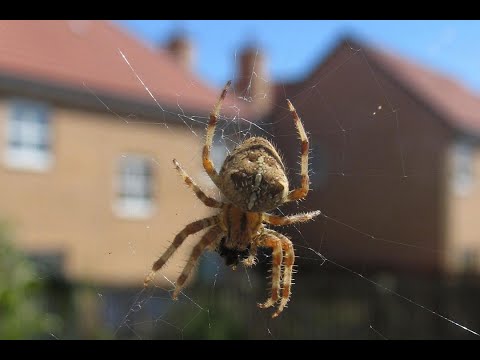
[{"x": 253, "y": 181}]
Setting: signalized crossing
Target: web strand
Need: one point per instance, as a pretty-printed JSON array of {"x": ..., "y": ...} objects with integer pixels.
[{"x": 232, "y": 131}]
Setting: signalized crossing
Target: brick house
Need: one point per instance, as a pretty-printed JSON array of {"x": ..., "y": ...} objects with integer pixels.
[
  {"x": 395, "y": 160},
  {"x": 81, "y": 179}
]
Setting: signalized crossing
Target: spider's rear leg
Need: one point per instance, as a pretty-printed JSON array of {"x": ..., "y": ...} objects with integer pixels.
[
  {"x": 289, "y": 259},
  {"x": 302, "y": 191},
  {"x": 209, "y": 240},
  {"x": 207, "y": 162},
  {"x": 190, "y": 229},
  {"x": 251, "y": 260},
  {"x": 279, "y": 242},
  {"x": 273, "y": 242}
]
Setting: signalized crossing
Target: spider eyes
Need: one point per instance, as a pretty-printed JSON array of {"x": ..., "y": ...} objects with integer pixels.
[
  {"x": 242, "y": 180},
  {"x": 239, "y": 179}
]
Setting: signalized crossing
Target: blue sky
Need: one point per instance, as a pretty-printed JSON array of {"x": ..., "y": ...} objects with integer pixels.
[{"x": 294, "y": 47}]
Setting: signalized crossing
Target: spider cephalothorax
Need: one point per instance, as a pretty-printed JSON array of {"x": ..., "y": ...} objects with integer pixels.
[{"x": 253, "y": 181}]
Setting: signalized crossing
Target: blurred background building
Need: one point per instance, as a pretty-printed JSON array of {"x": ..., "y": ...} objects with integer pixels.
[
  {"x": 418, "y": 133},
  {"x": 86, "y": 177}
]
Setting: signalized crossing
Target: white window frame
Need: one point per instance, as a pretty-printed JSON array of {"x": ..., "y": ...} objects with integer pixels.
[
  {"x": 139, "y": 204},
  {"x": 32, "y": 135},
  {"x": 462, "y": 167}
]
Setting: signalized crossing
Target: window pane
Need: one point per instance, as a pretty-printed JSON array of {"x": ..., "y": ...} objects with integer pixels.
[
  {"x": 29, "y": 125},
  {"x": 148, "y": 180},
  {"x": 463, "y": 176},
  {"x": 135, "y": 178},
  {"x": 28, "y": 131},
  {"x": 135, "y": 193}
]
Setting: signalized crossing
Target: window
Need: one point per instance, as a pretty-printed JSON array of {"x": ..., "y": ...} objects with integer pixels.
[
  {"x": 470, "y": 260},
  {"x": 462, "y": 167},
  {"x": 135, "y": 187},
  {"x": 28, "y": 136}
]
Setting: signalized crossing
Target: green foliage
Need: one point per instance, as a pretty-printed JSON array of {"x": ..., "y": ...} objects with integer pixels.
[{"x": 22, "y": 314}]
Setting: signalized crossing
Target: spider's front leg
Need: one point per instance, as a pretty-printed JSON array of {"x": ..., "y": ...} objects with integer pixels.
[{"x": 279, "y": 242}]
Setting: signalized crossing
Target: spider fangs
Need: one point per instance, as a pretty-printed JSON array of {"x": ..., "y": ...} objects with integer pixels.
[{"x": 253, "y": 181}]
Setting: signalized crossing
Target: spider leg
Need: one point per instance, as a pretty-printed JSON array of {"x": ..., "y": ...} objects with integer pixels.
[
  {"x": 251, "y": 260},
  {"x": 190, "y": 229},
  {"x": 290, "y": 219},
  {"x": 272, "y": 241},
  {"x": 301, "y": 192},
  {"x": 289, "y": 259},
  {"x": 279, "y": 241},
  {"x": 210, "y": 239},
  {"x": 208, "y": 201},
  {"x": 207, "y": 162}
]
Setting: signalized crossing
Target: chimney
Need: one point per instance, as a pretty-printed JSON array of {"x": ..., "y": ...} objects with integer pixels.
[
  {"x": 181, "y": 49},
  {"x": 253, "y": 81}
]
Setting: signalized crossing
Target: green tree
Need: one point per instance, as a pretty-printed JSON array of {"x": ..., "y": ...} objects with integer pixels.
[{"x": 22, "y": 307}]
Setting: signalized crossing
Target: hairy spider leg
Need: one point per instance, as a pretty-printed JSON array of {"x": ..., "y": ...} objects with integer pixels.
[
  {"x": 290, "y": 219},
  {"x": 190, "y": 229},
  {"x": 207, "y": 200},
  {"x": 209, "y": 240},
  {"x": 280, "y": 245},
  {"x": 302, "y": 191},
  {"x": 207, "y": 162}
]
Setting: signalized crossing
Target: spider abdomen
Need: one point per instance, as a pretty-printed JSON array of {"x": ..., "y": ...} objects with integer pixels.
[{"x": 253, "y": 176}]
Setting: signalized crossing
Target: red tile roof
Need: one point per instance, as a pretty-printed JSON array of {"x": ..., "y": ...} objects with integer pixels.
[
  {"x": 459, "y": 106},
  {"x": 70, "y": 53}
]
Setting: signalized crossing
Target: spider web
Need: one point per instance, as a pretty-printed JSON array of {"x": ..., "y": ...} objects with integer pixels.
[
  {"x": 335, "y": 299},
  {"x": 195, "y": 310}
]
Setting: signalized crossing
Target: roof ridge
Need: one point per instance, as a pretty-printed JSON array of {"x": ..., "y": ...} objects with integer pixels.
[
  {"x": 447, "y": 96},
  {"x": 69, "y": 54}
]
